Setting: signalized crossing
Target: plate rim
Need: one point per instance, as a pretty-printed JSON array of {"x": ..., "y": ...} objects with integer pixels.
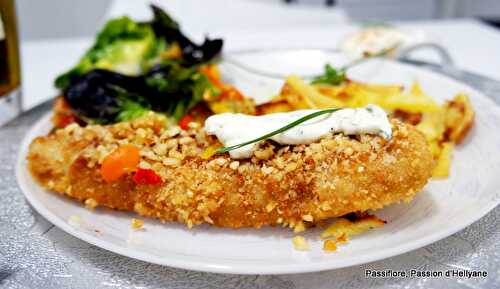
[{"x": 215, "y": 266}]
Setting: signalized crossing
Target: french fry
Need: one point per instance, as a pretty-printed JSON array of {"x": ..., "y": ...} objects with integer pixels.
[
  {"x": 330, "y": 90},
  {"x": 383, "y": 89},
  {"x": 295, "y": 98},
  {"x": 414, "y": 100},
  {"x": 459, "y": 117},
  {"x": 302, "y": 95},
  {"x": 274, "y": 107},
  {"x": 443, "y": 162},
  {"x": 443, "y": 126},
  {"x": 432, "y": 126}
]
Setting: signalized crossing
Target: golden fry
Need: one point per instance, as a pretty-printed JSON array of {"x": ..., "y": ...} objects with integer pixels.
[
  {"x": 459, "y": 117},
  {"x": 443, "y": 161},
  {"x": 440, "y": 124}
]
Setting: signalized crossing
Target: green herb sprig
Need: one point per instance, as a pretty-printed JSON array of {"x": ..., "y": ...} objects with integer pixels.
[
  {"x": 280, "y": 130},
  {"x": 331, "y": 76},
  {"x": 336, "y": 76}
]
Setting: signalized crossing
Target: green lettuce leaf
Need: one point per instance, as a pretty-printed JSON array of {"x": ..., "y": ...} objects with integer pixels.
[{"x": 121, "y": 46}]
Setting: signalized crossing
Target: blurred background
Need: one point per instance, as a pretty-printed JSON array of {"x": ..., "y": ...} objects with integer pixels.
[{"x": 63, "y": 18}]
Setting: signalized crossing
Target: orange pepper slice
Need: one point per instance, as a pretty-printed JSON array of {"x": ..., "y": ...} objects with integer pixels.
[
  {"x": 120, "y": 161},
  {"x": 213, "y": 75}
]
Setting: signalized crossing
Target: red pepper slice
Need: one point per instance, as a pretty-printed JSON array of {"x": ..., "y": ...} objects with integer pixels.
[
  {"x": 185, "y": 120},
  {"x": 146, "y": 177},
  {"x": 66, "y": 120}
]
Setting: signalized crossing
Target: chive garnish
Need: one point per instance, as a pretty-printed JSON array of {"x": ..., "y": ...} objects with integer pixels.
[{"x": 280, "y": 130}]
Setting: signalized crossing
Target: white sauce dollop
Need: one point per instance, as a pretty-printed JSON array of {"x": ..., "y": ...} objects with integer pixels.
[
  {"x": 232, "y": 129},
  {"x": 374, "y": 40}
]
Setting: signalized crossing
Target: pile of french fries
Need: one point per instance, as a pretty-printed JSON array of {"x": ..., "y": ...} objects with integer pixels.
[{"x": 444, "y": 126}]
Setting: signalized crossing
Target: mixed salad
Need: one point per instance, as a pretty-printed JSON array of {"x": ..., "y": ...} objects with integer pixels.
[{"x": 135, "y": 67}]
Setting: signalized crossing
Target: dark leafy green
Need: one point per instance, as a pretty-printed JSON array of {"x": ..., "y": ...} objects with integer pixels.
[
  {"x": 130, "y": 48},
  {"x": 103, "y": 96},
  {"x": 123, "y": 75},
  {"x": 99, "y": 96},
  {"x": 164, "y": 26},
  {"x": 174, "y": 89}
]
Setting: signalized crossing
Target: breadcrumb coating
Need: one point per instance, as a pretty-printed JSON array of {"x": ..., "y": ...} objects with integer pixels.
[{"x": 292, "y": 186}]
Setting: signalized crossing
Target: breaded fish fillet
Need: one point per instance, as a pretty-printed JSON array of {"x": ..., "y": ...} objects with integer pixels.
[{"x": 287, "y": 185}]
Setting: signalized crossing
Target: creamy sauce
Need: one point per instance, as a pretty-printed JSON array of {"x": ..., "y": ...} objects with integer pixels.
[
  {"x": 232, "y": 129},
  {"x": 375, "y": 40}
]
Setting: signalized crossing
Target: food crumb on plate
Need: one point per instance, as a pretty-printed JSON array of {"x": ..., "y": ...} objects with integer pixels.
[
  {"x": 300, "y": 243},
  {"x": 136, "y": 224},
  {"x": 343, "y": 228},
  {"x": 329, "y": 246}
]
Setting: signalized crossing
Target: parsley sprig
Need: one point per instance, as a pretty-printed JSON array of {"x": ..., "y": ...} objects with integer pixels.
[
  {"x": 336, "y": 76},
  {"x": 331, "y": 76}
]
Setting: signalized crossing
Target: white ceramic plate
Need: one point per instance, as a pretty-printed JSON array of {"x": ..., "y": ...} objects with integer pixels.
[{"x": 441, "y": 209}]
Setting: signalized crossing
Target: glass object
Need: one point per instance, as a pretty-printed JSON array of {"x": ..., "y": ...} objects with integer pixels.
[{"x": 10, "y": 88}]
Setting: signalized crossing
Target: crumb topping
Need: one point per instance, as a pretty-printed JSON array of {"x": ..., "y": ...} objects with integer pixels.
[{"x": 288, "y": 185}]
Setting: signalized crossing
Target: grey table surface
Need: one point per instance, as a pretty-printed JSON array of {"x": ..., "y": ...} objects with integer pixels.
[{"x": 36, "y": 254}]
